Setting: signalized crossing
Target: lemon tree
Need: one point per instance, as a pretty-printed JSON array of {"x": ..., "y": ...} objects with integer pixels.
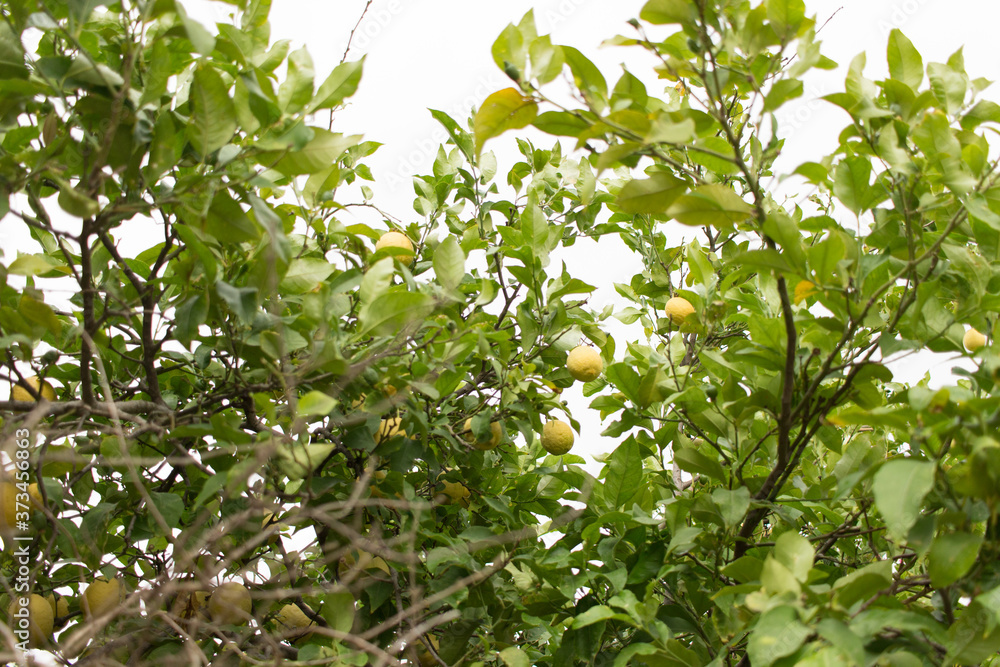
[{"x": 281, "y": 425}]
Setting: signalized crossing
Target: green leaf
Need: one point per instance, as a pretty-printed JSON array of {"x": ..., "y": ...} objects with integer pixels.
[
  {"x": 713, "y": 205},
  {"x": 561, "y": 123},
  {"x": 389, "y": 314},
  {"x": 170, "y": 506},
  {"x": 76, "y": 203},
  {"x": 778, "y": 633},
  {"x": 588, "y": 79},
  {"x": 305, "y": 274},
  {"x": 796, "y": 553},
  {"x": 296, "y": 91},
  {"x": 624, "y": 474},
  {"x": 651, "y": 195},
  {"x": 785, "y": 17},
  {"x": 509, "y": 47},
  {"x": 200, "y": 38},
  {"x": 899, "y": 488},
  {"x": 781, "y": 92},
  {"x": 663, "y": 12},
  {"x": 449, "y": 263},
  {"x": 32, "y": 265},
  {"x": 951, "y": 556},
  {"x": 504, "y": 110},
  {"x": 39, "y": 312},
  {"x": 515, "y": 657},
  {"x": 851, "y": 184},
  {"x": 242, "y": 300},
  {"x": 905, "y": 63},
  {"x": 341, "y": 84},
  {"x": 460, "y": 137},
  {"x": 322, "y": 150},
  {"x": 316, "y": 403},
  {"x": 213, "y": 117},
  {"x": 593, "y": 615},
  {"x": 691, "y": 460}
]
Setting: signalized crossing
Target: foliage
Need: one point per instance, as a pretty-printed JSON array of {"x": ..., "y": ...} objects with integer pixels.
[{"x": 258, "y": 396}]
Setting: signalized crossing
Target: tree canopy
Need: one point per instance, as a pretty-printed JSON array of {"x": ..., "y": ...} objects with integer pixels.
[{"x": 281, "y": 436}]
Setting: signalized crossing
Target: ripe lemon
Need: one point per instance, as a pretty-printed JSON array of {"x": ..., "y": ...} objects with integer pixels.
[
  {"x": 230, "y": 604},
  {"x": 190, "y": 604},
  {"x": 101, "y": 597},
  {"x": 36, "y": 616},
  {"x": 678, "y": 309},
  {"x": 424, "y": 657},
  {"x": 557, "y": 437},
  {"x": 389, "y": 428},
  {"x": 496, "y": 432},
  {"x": 803, "y": 290},
  {"x": 60, "y": 606},
  {"x": 973, "y": 340},
  {"x": 584, "y": 363},
  {"x": 8, "y": 499},
  {"x": 453, "y": 493},
  {"x": 293, "y": 622},
  {"x": 44, "y": 389},
  {"x": 394, "y": 240}
]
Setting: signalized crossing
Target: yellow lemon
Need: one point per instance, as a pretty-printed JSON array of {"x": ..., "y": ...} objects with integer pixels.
[
  {"x": 389, "y": 428},
  {"x": 557, "y": 437},
  {"x": 584, "y": 363},
  {"x": 496, "y": 434},
  {"x": 973, "y": 340},
  {"x": 60, "y": 606},
  {"x": 230, "y": 604},
  {"x": 190, "y": 604},
  {"x": 44, "y": 389},
  {"x": 424, "y": 657},
  {"x": 678, "y": 309},
  {"x": 453, "y": 493},
  {"x": 34, "y": 615},
  {"x": 293, "y": 622},
  {"x": 396, "y": 240},
  {"x": 101, "y": 597}
]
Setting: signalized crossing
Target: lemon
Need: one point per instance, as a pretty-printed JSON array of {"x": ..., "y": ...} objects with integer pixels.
[
  {"x": 973, "y": 340},
  {"x": 190, "y": 604},
  {"x": 396, "y": 240},
  {"x": 678, "y": 309},
  {"x": 101, "y": 597},
  {"x": 389, "y": 428},
  {"x": 60, "y": 606},
  {"x": 803, "y": 290},
  {"x": 424, "y": 657},
  {"x": 36, "y": 615},
  {"x": 584, "y": 363},
  {"x": 44, "y": 389},
  {"x": 557, "y": 437},
  {"x": 230, "y": 604},
  {"x": 496, "y": 432},
  {"x": 293, "y": 622},
  {"x": 453, "y": 493}
]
